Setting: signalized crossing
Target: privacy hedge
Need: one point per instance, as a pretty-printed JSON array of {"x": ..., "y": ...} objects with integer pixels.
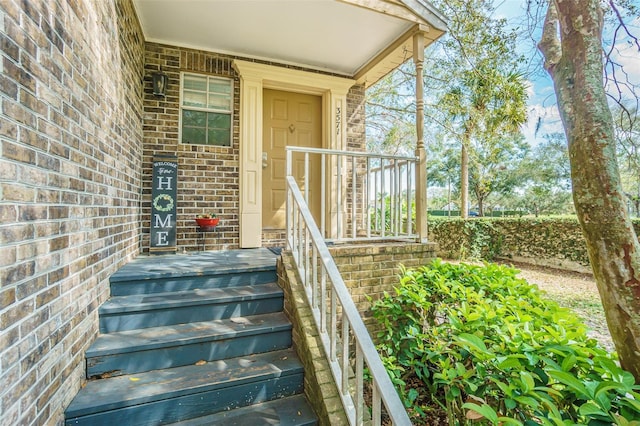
[{"x": 552, "y": 238}]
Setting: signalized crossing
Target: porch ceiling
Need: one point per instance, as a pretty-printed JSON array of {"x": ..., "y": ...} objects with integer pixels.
[{"x": 362, "y": 39}]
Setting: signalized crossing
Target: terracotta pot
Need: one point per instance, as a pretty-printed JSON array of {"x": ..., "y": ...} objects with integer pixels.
[{"x": 207, "y": 223}]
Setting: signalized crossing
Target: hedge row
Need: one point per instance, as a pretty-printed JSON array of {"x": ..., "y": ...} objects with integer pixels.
[{"x": 547, "y": 240}]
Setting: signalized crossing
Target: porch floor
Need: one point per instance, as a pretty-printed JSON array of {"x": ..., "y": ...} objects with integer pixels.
[{"x": 193, "y": 264}]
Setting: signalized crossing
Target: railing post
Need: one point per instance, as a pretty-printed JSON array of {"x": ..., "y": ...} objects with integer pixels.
[
  {"x": 354, "y": 197},
  {"x": 366, "y": 207},
  {"x": 289, "y": 205},
  {"x": 383, "y": 204},
  {"x": 421, "y": 166}
]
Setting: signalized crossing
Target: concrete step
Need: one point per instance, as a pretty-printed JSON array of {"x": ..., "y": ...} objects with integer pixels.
[
  {"x": 188, "y": 392},
  {"x": 138, "y": 311},
  {"x": 135, "y": 351},
  {"x": 291, "y": 411}
]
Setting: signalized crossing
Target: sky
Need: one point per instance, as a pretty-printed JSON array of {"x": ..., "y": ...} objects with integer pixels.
[{"x": 542, "y": 101}]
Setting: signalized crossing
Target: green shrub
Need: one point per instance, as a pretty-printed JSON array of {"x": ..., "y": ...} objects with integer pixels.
[{"x": 487, "y": 347}]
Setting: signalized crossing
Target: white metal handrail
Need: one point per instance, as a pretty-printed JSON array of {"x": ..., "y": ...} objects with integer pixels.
[
  {"x": 363, "y": 196},
  {"x": 345, "y": 338}
]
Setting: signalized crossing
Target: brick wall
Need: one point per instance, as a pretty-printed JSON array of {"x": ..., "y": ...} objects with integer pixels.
[
  {"x": 70, "y": 173},
  {"x": 208, "y": 175},
  {"x": 369, "y": 270}
]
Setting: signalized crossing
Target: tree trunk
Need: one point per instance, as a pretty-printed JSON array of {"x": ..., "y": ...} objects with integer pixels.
[
  {"x": 573, "y": 58},
  {"x": 637, "y": 201},
  {"x": 464, "y": 182}
]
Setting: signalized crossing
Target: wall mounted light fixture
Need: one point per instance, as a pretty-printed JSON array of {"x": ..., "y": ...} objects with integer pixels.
[{"x": 160, "y": 81}]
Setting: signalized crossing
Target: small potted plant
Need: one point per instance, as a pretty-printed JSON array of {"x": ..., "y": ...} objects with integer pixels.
[{"x": 207, "y": 221}]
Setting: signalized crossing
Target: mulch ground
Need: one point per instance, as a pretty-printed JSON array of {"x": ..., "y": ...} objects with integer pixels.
[{"x": 573, "y": 290}]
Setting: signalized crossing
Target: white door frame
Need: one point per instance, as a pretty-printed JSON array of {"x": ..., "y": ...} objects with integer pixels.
[{"x": 254, "y": 78}]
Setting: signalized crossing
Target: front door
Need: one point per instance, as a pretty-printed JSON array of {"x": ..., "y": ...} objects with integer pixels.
[{"x": 289, "y": 119}]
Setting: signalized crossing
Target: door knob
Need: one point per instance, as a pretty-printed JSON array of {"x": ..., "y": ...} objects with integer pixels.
[{"x": 264, "y": 160}]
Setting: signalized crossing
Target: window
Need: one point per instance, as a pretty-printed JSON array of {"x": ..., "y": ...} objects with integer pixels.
[{"x": 205, "y": 110}]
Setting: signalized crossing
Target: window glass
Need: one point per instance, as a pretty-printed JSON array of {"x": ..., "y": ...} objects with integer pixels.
[
  {"x": 195, "y": 82},
  {"x": 194, "y": 99},
  {"x": 219, "y": 102},
  {"x": 219, "y": 86},
  {"x": 206, "y": 104}
]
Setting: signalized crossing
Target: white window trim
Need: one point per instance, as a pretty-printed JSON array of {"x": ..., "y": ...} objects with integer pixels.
[{"x": 214, "y": 110}]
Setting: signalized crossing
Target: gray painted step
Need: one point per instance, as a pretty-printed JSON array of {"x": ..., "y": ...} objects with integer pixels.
[
  {"x": 169, "y": 273},
  {"x": 172, "y": 395},
  {"x": 134, "y": 351},
  {"x": 132, "y": 312},
  {"x": 191, "y": 282},
  {"x": 291, "y": 411}
]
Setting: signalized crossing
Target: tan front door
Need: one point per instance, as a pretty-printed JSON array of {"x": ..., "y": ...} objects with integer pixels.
[{"x": 289, "y": 119}]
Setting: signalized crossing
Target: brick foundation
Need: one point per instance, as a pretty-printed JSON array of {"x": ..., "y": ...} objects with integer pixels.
[
  {"x": 371, "y": 269},
  {"x": 368, "y": 270},
  {"x": 319, "y": 386}
]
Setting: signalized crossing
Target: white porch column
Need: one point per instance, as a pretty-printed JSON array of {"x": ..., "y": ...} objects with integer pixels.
[
  {"x": 250, "y": 162},
  {"x": 421, "y": 167}
]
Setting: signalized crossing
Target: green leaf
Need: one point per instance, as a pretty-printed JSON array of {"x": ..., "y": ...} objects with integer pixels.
[
  {"x": 633, "y": 403},
  {"x": 527, "y": 381},
  {"x": 484, "y": 410},
  {"x": 509, "y": 421},
  {"x": 511, "y": 361},
  {"x": 591, "y": 409},
  {"x": 473, "y": 341},
  {"x": 454, "y": 392},
  {"x": 608, "y": 385},
  {"x": 628, "y": 379},
  {"x": 569, "y": 362},
  {"x": 412, "y": 395},
  {"x": 569, "y": 380},
  {"x": 527, "y": 400}
]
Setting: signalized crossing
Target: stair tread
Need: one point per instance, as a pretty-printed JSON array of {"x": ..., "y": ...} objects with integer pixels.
[
  {"x": 197, "y": 264},
  {"x": 180, "y": 334},
  {"x": 145, "y": 302},
  {"x": 290, "y": 411},
  {"x": 123, "y": 391}
]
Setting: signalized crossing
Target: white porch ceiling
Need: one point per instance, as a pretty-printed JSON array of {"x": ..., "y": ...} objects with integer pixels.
[{"x": 330, "y": 35}]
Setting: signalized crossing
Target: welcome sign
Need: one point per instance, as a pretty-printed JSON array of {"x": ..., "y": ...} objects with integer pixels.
[{"x": 163, "y": 204}]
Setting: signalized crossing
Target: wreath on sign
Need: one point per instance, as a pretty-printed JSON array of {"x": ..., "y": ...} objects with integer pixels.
[{"x": 164, "y": 199}]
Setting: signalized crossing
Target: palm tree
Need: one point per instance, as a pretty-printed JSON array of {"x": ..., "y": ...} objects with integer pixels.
[{"x": 486, "y": 104}]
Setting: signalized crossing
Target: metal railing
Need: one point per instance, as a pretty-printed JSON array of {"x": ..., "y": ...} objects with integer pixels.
[
  {"x": 345, "y": 338},
  {"x": 361, "y": 196}
]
